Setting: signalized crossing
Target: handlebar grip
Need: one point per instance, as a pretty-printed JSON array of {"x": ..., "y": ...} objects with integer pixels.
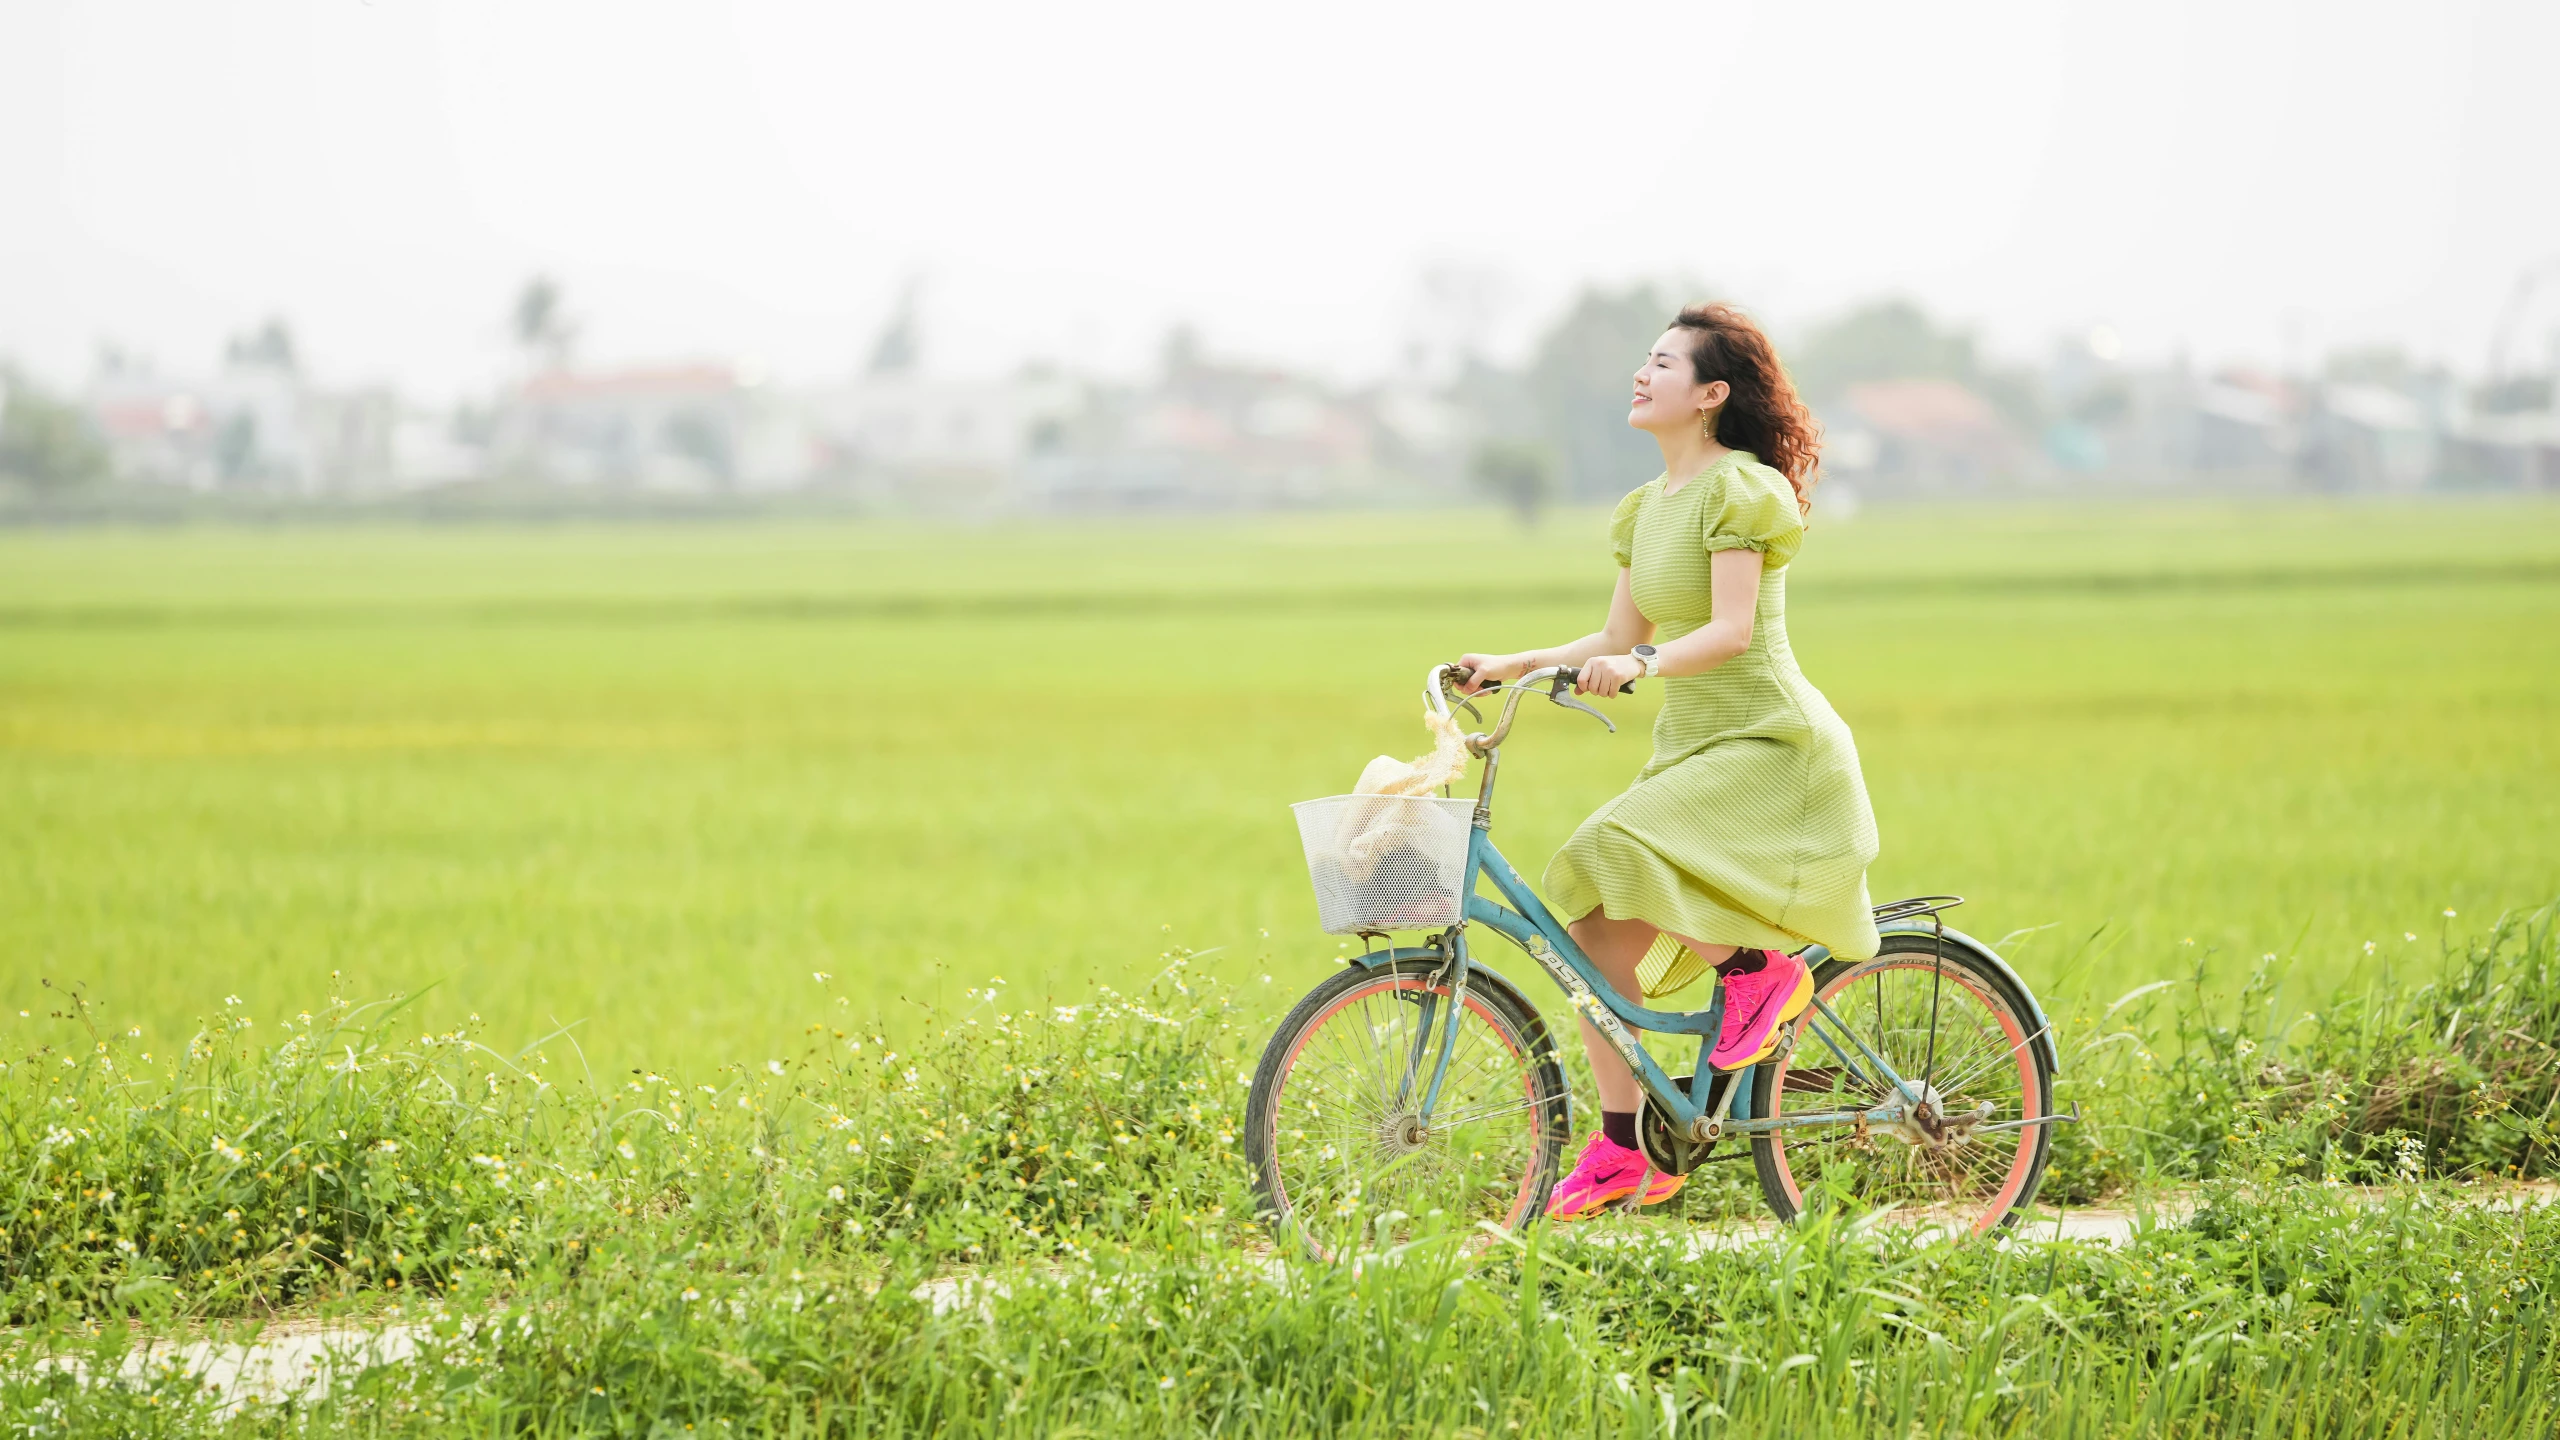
[{"x": 1572, "y": 675}]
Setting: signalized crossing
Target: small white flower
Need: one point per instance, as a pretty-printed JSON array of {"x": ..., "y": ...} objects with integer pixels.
[
  {"x": 773, "y": 1066},
  {"x": 2408, "y": 934},
  {"x": 835, "y": 1192},
  {"x": 691, "y": 1294},
  {"x": 1164, "y": 1382},
  {"x": 819, "y": 975},
  {"x": 387, "y": 1147},
  {"x": 625, "y": 1150},
  {"x": 2448, "y": 914}
]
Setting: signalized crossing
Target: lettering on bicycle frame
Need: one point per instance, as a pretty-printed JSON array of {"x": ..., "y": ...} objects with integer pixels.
[{"x": 1586, "y": 1002}]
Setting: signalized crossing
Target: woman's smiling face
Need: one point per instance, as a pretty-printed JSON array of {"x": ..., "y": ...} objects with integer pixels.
[{"x": 1668, "y": 395}]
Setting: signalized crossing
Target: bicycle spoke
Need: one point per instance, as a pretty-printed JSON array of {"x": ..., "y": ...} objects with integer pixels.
[
  {"x": 2010, "y": 1053},
  {"x": 1476, "y": 1117},
  {"x": 1347, "y": 1158},
  {"x": 1926, "y": 1166}
]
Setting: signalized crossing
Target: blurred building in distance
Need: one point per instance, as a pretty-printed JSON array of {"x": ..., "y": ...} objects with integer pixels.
[
  {"x": 2510, "y": 450},
  {"x": 1911, "y": 408},
  {"x": 1213, "y": 435},
  {"x": 900, "y": 437},
  {"x": 701, "y": 429},
  {"x": 1922, "y": 433},
  {"x": 254, "y": 425}
]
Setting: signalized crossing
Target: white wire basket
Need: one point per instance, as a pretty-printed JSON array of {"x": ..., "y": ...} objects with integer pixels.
[{"x": 1386, "y": 862}]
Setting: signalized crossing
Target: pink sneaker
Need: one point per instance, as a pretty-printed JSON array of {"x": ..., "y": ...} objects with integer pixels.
[
  {"x": 1755, "y": 1005},
  {"x": 1608, "y": 1172}
]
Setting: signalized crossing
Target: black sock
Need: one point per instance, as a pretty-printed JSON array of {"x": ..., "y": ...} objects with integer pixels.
[
  {"x": 1744, "y": 962},
  {"x": 1619, "y": 1126}
]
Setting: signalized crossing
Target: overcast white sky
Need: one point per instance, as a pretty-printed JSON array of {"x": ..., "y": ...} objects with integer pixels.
[{"x": 2243, "y": 181}]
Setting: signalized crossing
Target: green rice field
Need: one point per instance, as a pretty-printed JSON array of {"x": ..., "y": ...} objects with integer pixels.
[{"x": 649, "y": 779}]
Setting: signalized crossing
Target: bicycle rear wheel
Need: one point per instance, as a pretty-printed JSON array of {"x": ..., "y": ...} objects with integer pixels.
[
  {"x": 1952, "y": 1028},
  {"x": 1340, "y": 1155}
]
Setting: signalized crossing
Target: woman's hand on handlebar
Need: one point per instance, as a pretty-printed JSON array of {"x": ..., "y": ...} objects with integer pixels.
[
  {"x": 1606, "y": 675},
  {"x": 1483, "y": 670}
]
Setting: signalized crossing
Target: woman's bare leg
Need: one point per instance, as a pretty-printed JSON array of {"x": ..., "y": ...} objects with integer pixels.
[{"x": 1615, "y": 948}]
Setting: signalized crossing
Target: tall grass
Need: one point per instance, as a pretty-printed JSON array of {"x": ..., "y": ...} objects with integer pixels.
[
  {"x": 2452, "y": 1072},
  {"x": 2302, "y": 1314},
  {"x": 1034, "y": 1222}
]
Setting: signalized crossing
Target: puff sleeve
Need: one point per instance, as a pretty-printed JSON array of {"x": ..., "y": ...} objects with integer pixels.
[
  {"x": 1622, "y": 527},
  {"x": 1756, "y": 511}
]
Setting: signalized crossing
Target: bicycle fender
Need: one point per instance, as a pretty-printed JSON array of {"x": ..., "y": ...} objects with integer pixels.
[
  {"x": 2042, "y": 1029},
  {"x": 1479, "y": 974}
]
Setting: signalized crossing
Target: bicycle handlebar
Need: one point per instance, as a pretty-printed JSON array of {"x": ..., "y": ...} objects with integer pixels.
[{"x": 1552, "y": 681}]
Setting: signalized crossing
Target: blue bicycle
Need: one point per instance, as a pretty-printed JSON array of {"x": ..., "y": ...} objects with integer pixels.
[{"x": 1419, "y": 1087}]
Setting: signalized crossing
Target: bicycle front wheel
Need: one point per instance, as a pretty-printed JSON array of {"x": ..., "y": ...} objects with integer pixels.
[
  {"x": 1342, "y": 1156},
  {"x": 1965, "y": 1159}
]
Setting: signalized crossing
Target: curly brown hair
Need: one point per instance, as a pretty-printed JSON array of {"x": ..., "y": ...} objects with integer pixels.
[{"x": 1765, "y": 415}]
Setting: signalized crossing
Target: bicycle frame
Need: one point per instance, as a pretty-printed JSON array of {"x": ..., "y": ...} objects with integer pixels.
[{"x": 1715, "y": 1103}]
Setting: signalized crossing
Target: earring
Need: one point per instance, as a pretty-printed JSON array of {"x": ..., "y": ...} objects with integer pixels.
[{"x": 1706, "y": 425}]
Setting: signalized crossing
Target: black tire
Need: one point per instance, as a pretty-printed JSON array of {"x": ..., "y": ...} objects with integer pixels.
[
  {"x": 1389, "y": 1166},
  {"x": 1983, "y": 1028}
]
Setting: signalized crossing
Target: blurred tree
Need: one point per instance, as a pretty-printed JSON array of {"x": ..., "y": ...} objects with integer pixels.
[
  {"x": 1579, "y": 381},
  {"x": 270, "y": 345},
  {"x": 900, "y": 346},
  {"x": 2516, "y": 394},
  {"x": 45, "y": 444},
  {"x": 235, "y": 447},
  {"x": 1519, "y": 473},
  {"x": 541, "y": 325},
  {"x": 1886, "y": 340},
  {"x": 1181, "y": 356},
  {"x": 1897, "y": 340}
]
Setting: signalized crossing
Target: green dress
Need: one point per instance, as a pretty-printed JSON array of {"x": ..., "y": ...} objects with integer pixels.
[{"x": 1750, "y": 826}]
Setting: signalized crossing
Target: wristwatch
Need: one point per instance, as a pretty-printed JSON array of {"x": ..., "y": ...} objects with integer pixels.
[{"x": 1649, "y": 657}]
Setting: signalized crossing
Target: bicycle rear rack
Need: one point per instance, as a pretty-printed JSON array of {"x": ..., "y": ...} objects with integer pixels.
[{"x": 1929, "y": 905}]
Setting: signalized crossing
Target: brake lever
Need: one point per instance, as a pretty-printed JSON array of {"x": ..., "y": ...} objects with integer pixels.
[
  {"x": 1568, "y": 702},
  {"x": 1450, "y": 693}
]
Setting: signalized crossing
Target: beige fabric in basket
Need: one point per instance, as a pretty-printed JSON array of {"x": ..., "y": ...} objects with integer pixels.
[{"x": 1369, "y": 833}]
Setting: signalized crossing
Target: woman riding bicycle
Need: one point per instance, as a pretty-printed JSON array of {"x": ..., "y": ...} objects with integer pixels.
[{"x": 1748, "y": 834}]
